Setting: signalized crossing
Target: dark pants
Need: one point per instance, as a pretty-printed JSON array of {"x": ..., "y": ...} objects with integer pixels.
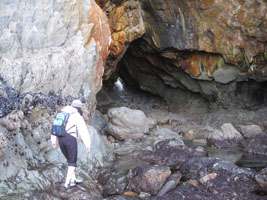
[{"x": 69, "y": 148}]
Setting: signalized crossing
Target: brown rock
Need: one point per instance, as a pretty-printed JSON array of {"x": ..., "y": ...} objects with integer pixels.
[
  {"x": 208, "y": 177},
  {"x": 193, "y": 182},
  {"x": 219, "y": 32},
  {"x": 127, "y": 25},
  {"x": 111, "y": 139},
  {"x": 130, "y": 194},
  {"x": 149, "y": 178}
]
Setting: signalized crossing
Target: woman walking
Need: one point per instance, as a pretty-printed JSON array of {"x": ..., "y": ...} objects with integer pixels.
[{"x": 68, "y": 143}]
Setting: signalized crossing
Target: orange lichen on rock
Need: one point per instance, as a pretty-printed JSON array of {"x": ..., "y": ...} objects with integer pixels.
[
  {"x": 117, "y": 23},
  {"x": 119, "y": 36},
  {"x": 205, "y": 4},
  {"x": 196, "y": 64},
  {"x": 100, "y": 35}
]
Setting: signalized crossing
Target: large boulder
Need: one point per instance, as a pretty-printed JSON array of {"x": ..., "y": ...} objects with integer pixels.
[
  {"x": 226, "y": 137},
  {"x": 249, "y": 131},
  {"x": 125, "y": 123}
]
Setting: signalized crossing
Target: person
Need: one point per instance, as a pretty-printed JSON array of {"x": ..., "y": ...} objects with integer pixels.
[{"x": 68, "y": 143}]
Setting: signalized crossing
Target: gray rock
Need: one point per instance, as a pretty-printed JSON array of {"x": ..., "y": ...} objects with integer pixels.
[
  {"x": 264, "y": 124},
  {"x": 38, "y": 40},
  {"x": 226, "y": 75},
  {"x": 144, "y": 195},
  {"x": 227, "y": 132},
  {"x": 165, "y": 133},
  {"x": 159, "y": 116},
  {"x": 249, "y": 131},
  {"x": 261, "y": 178},
  {"x": 172, "y": 182},
  {"x": 256, "y": 145},
  {"x": 3, "y": 144},
  {"x": 170, "y": 185},
  {"x": 125, "y": 123}
]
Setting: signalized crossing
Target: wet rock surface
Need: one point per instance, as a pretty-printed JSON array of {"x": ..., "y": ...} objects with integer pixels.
[
  {"x": 171, "y": 143},
  {"x": 30, "y": 166},
  {"x": 149, "y": 178},
  {"x": 171, "y": 153},
  {"x": 221, "y": 178},
  {"x": 118, "y": 175},
  {"x": 256, "y": 145},
  {"x": 60, "y": 50},
  {"x": 9, "y": 98},
  {"x": 261, "y": 178}
]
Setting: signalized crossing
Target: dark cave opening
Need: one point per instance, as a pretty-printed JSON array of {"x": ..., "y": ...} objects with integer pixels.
[{"x": 164, "y": 73}]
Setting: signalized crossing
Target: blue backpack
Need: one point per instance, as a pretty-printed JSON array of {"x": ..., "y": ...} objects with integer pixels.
[{"x": 59, "y": 125}]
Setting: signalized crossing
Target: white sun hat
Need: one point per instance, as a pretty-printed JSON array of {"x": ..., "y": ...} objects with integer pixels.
[{"x": 77, "y": 103}]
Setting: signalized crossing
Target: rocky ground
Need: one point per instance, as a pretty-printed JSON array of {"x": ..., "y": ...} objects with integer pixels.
[
  {"x": 194, "y": 154},
  {"x": 141, "y": 150}
]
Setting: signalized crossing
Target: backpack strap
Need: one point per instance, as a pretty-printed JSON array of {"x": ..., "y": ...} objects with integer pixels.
[
  {"x": 69, "y": 114},
  {"x": 69, "y": 129}
]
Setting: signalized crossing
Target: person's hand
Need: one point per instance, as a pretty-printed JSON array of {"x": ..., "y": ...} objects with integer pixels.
[
  {"x": 87, "y": 149},
  {"x": 54, "y": 145}
]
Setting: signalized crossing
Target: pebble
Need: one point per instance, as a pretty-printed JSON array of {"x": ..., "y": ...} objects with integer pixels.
[
  {"x": 130, "y": 194},
  {"x": 170, "y": 185},
  {"x": 144, "y": 195}
]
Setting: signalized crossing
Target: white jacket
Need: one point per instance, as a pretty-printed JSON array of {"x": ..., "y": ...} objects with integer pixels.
[{"x": 75, "y": 125}]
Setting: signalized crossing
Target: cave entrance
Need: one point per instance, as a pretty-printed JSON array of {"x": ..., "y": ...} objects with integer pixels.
[
  {"x": 164, "y": 74},
  {"x": 118, "y": 93}
]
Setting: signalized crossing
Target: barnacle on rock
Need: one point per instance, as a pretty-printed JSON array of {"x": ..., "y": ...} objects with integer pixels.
[{"x": 3, "y": 144}]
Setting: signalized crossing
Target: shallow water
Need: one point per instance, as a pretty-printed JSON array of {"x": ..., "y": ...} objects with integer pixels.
[{"x": 188, "y": 119}]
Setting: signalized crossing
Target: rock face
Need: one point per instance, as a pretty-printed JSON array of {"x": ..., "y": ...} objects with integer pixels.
[
  {"x": 60, "y": 46},
  {"x": 126, "y": 23},
  {"x": 50, "y": 53},
  {"x": 205, "y": 47}
]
